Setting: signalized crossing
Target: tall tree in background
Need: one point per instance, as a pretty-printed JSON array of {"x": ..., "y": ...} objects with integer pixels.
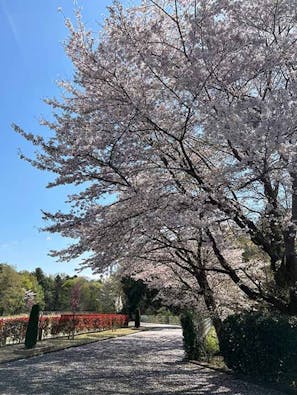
[
  {"x": 11, "y": 291},
  {"x": 138, "y": 296},
  {"x": 30, "y": 283},
  {"x": 14, "y": 286},
  {"x": 185, "y": 112},
  {"x": 58, "y": 283},
  {"x": 47, "y": 284}
]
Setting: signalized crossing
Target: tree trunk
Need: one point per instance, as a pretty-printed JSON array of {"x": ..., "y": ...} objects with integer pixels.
[
  {"x": 289, "y": 266},
  {"x": 137, "y": 318},
  {"x": 209, "y": 301}
]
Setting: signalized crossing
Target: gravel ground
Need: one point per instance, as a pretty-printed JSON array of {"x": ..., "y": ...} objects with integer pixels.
[{"x": 147, "y": 362}]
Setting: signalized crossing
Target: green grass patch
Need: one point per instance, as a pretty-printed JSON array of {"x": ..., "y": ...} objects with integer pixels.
[{"x": 103, "y": 334}]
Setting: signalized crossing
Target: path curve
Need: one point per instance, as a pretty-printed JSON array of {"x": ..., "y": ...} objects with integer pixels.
[{"x": 145, "y": 363}]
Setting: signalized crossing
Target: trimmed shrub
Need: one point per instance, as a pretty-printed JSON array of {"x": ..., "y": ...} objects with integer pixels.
[
  {"x": 32, "y": 329},
  {"x": 193, "y": 347},
  {"x": 211, "y": 343},
  {"x": 89, "y": 323},
  {"x": 261, "y": 345},
  {"x": 13, "y": 329}
]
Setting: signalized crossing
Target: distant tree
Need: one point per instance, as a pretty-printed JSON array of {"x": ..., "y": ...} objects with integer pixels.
[
  {"x": 29, "y": 282},
  {"x": 40, "y": 276},
  {"x": 47, "y": 283},
  {"x": 12, "y": 292},
  {"x": 68, "y": 284},
  {"x": 109, "y": 292},
  {"x": 138, "y": 298},
  {"x": 58, "y": 283},
  {"x": 14, "y": 286},
  {"x": 90, "y": 295},
  {"x": 56, "y": 293}
]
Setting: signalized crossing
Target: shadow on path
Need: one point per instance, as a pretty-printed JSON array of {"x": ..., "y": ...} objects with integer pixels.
[{"x": 147, "y": 362}]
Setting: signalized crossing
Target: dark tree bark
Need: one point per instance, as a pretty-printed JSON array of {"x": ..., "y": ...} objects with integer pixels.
[{"x": 209, "y": 301}]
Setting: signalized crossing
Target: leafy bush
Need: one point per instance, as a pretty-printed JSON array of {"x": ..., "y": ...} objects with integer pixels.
[
  {"x": 211, "y": 343},
  {"x": 12, "y": 330},
  {"x": 88, "y": 322},
  {"x": 261, "y": 345}
]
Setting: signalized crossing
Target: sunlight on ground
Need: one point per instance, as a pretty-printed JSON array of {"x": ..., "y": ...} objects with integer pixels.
[{"x": 18, "y": 351}]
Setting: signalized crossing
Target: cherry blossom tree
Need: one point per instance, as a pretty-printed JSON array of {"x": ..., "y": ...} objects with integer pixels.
[
  {"x": 185, "y": 113},
  {"x": 188, "y": 273}
]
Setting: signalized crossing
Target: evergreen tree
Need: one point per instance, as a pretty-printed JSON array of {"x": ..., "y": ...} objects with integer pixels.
[
  {"x": 47, "y": 284},
  {"x": 138, "y": 298},
  {"x": 58, "y": 283},
  {"x": 32, "y": 329}
]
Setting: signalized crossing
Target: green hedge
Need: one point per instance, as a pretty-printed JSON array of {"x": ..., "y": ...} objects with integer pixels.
[
  {"x": 262, "y": 346},
  {"x": 193, "y": 347}
]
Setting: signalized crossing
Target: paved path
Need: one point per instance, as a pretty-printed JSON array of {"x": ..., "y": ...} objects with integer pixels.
[{"x": 143, "y": 363}]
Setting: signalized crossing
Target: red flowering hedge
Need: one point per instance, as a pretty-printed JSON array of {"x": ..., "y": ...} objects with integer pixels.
[
  {"x": 80, "y": 323},
  {"x": 13, "y": 330}
]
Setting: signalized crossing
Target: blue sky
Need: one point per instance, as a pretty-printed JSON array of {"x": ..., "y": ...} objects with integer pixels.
[{"x": 32, "y": 59}]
